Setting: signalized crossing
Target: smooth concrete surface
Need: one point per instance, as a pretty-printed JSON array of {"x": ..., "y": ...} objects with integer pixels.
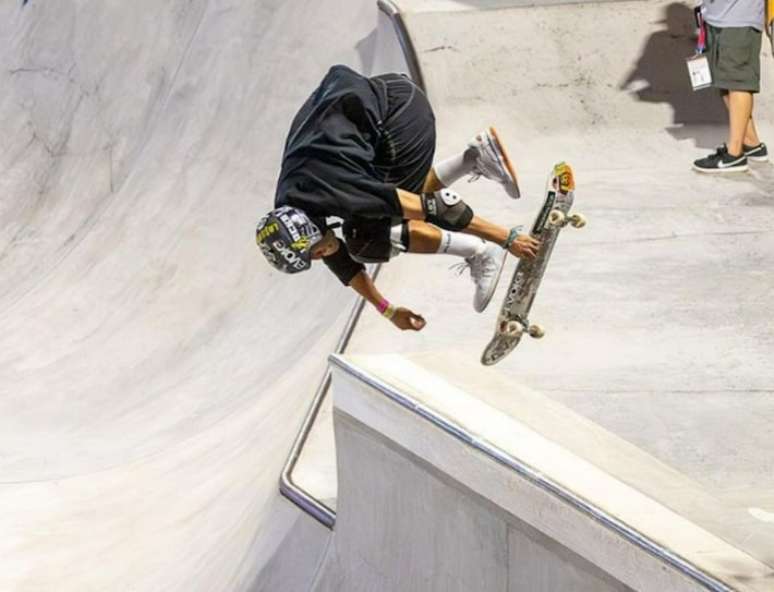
[
  {"x": 435, "y": 6},
  {"x": 656, "y": 313},
  {"x": 153, "y": 370},
  {"x": 432, "y": 458}
]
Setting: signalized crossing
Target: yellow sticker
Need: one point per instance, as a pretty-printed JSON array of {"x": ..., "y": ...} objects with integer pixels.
[
  {"x": 563, "y": 172},
  {"x": 300, "y": 244},
  {"x": 266, "y": 232}
]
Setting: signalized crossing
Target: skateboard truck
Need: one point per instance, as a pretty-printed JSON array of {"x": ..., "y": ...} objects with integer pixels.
[{"x": 516, "y": 328}]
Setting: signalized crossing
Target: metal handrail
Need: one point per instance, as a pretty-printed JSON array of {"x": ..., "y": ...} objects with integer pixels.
[
  {"x": 291, "y": 490},
  {"x": 535, "y": 477},
  {"x": 409, "y": 52}
]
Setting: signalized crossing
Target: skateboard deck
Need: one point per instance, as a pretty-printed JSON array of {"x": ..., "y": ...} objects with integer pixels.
[{"x": 513, "y": 320}]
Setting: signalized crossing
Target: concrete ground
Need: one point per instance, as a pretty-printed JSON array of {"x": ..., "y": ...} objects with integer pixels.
[
  {"x": 154, "y": 372},
  {"x": 656, "y": 313},
  {"x": 452, "y": 480}
]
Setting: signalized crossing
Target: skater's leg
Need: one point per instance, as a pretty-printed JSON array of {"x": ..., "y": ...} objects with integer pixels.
[
  {"x": 484, "y": 156},
  {"x": 484, "y": 260},
  {"x": 428, "y": 239},
  {"x": 432, "y": 182},
  {"x": 452, "y": 169},
  {"x": 524, "y": 245}
]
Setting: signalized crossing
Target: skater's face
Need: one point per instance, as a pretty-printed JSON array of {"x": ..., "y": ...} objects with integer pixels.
[{"x": 326, "y": 247}]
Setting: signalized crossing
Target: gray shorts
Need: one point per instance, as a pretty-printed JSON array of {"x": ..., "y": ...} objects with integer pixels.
[{"x": 734, "y": 55}]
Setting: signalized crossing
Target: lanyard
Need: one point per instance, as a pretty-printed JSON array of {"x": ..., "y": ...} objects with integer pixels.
[{"x": 701, "y": 42}]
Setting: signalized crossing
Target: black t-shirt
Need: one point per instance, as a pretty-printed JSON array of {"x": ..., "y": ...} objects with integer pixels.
[
  {"x": 328, "y": 165},
  {"x": 329, "y": 160}
]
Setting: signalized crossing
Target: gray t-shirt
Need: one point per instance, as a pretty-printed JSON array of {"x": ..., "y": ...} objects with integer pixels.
[{"x": 734, "y": 13}]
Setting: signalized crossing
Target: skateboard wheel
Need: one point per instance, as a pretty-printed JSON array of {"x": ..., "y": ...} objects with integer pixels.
[
  {"x": 514, "y": 329},
  {"x": 536, "y": 331},
  {"x": 556, "y": 217},
  {"x": 578, "y": 220}
]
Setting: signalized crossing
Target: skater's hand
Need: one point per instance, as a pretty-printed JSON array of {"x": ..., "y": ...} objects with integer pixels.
[
  {"x": 525, "y": 246},
  {"x": 405, "y": 320}
]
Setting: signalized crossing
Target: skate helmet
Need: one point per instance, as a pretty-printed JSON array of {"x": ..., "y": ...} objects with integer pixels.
[{"x": 286, "y": 237}]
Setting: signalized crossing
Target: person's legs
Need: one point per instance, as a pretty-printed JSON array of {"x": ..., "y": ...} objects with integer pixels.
[
  {"x": 750, "y": 137},
  {"x": 428, "y": 239},
  {"x": 741, "y": 128},
  {"x": 484, "y": 156},
  {"x": 484, "y": 260},
  {"x": 432, "y": 182},
  {"x": 454, "y": 168},
  {"x": 734, "y": 57}
]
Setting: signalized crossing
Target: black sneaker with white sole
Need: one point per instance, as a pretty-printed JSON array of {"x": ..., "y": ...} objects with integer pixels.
[
  {"x": 757, "y": 153},
  {"x": 721, "y": 161}
]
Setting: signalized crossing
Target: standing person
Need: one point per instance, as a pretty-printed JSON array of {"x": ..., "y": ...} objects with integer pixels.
[
  {"x": 734, "y": 31},
  {"x": 361, "y": 150}
]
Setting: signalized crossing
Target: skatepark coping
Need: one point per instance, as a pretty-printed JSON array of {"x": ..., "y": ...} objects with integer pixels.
[{"x": 585, "y": 496}]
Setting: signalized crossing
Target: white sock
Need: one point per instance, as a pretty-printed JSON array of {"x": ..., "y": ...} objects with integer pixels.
[
  {"x": 453, "y": 169},
  {"x": 461, "y": 245}
]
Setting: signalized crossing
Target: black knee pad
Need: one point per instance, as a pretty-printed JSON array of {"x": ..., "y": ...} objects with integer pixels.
[{"x": 446, "y": 210}]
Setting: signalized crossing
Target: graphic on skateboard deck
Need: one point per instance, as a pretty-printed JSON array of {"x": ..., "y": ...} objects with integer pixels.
[{"x": 513, "y": 320}]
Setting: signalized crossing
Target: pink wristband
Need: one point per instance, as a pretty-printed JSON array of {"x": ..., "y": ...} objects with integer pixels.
[{"x": 383, "y": 306}]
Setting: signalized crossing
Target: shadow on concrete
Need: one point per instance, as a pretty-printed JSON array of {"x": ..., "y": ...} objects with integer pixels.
[{"x": 661, "y": 76}]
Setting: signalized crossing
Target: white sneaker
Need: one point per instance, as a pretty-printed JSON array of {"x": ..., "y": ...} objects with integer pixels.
[
  {"x": 485, "y": 269},
  {"x": 493, "y": 163}
]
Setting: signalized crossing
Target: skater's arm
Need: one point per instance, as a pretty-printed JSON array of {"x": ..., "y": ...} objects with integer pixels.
[
  {"x": 488, "y": 231},
  {"x": 523, "y": 245},
  {"x": 401, "y": 317}
]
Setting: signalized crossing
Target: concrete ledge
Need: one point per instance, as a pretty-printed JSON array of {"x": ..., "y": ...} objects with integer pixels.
[{"x": 522, "y": 474}]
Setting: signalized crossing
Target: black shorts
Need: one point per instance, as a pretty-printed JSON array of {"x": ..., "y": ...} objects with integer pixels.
[
  {"x": 404, "y": 154},
  {"x": 369, "y": 241},
  {"x": 404, "y": 157}
]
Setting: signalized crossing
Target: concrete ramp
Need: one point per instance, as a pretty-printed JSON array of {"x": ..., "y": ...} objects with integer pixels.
[
  {"x": 154, "y": 369},
  {"x": 442, "y": 488}
]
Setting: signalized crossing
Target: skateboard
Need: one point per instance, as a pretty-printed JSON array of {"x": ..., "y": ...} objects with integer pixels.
[{"x": 513, "y": 320}]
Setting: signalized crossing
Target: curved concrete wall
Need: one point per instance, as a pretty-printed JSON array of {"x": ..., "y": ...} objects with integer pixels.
[{"x": 153, "y": 370}]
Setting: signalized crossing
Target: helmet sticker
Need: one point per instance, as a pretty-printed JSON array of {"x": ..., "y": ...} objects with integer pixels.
[
  {"x": 289, "y": 255},
  {"x": 266, "y": 232},
  {"x": 291, "y": 226}
]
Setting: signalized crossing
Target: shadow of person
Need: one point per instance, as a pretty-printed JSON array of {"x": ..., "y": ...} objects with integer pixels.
[{"x": 661, "y": 76}]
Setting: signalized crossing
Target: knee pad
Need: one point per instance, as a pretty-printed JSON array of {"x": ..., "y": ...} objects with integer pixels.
[{"x": 446, "y": 210}]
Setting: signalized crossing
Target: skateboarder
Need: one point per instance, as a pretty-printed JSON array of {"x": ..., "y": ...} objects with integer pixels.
[{"x": 361, "y": 150}]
